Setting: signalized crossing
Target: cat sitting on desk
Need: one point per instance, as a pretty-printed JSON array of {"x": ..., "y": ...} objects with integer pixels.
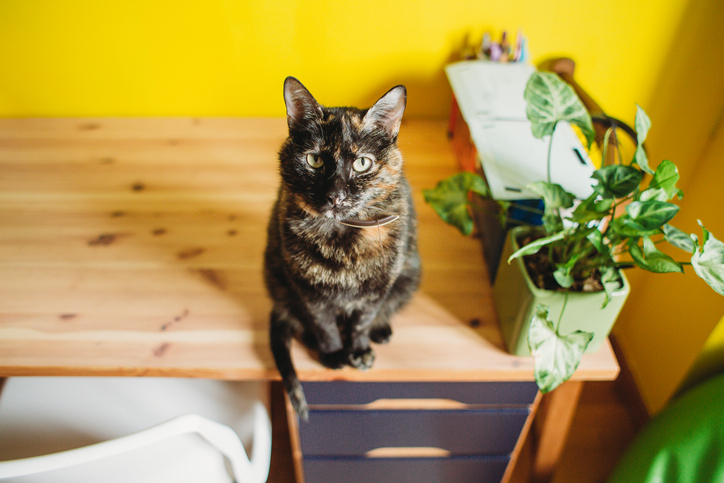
[{"x": 341, "y": 254}]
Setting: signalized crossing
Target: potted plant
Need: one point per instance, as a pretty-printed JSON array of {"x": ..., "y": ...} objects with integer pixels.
[{"x": 563, "y": 276}]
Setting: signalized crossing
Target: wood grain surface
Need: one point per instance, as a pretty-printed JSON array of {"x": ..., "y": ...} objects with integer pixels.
[{"x": 133, "y": 247}]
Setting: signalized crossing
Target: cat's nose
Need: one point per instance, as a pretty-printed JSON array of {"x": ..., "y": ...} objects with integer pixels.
[{"x": 336, "y": 198}]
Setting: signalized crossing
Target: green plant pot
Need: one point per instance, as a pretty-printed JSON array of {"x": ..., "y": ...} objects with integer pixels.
[{"x": 516, "y": 297}]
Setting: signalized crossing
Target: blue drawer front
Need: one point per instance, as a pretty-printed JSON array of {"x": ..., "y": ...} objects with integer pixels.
[
  {"x": 488, "y": 393},
  {"x": 461, "y": 432},
  {"x": 462, "y": 469}
]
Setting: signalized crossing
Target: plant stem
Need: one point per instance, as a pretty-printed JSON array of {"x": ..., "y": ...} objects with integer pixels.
[
  {"x": 613, "y": 217},
  {"x": 550, "y": 149},
  {"x": 527, "y": 208},
  {"x": 563, "y": 309},
  {"x": 625, "y": 265}
]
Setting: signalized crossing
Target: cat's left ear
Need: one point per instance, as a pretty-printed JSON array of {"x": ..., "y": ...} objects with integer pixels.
[{"x": 387, "y": 111}]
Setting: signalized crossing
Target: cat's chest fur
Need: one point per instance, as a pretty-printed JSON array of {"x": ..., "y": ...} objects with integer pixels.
[{"x": 331, "y": 257}]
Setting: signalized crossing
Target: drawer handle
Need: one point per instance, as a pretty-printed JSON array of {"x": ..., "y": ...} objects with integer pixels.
[
  {"x": 421, "y": 452},
  {"x": 420, "y": 404}
]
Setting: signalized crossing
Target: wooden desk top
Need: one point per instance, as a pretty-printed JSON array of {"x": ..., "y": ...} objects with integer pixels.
[{"x": 133, "y": 247}]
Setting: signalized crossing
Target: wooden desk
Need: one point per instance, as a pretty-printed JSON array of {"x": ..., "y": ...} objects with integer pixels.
[{"x": 133, "y": 247}]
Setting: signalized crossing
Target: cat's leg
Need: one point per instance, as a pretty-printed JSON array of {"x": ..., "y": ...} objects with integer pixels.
[
  {"x": 381, "y": 331},
  {"x": 328, "y": 339},
  {"x": 282, "y": 330},
  {"x": 359, "y": 352},
  {"x": 399, "y": 295},
  {"x": 309, "y": 340},
  {"x": 373, "y": 325}
]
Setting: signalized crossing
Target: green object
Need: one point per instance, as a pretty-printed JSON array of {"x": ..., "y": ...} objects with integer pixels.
[
  {"x": 683, "y": 444},
  {"x": 556, "y": 356},
  {"x": 550, "y": 101},
  {"x": 708, "y": 261},
  {"x": 643, "y": 124},
  {"x": 451, "y": 199},
  {"x": 516, "y": 300}
]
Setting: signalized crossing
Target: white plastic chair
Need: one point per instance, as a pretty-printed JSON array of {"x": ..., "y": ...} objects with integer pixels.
[{"x": 97, "y": 429}]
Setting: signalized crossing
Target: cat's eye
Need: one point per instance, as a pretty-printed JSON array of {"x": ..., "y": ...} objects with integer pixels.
[
  {"x": 362, "y": 164},
  {"x": 314, "y": 160}
]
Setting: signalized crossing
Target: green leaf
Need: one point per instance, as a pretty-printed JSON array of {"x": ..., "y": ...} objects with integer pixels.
[
  {"x": 563, "y": 277},
  {"x": 651, "y": 259},
  {"x": 603, "y": 205},
  {"x": 611, "y": 280},
  {"x": 626, "y": 227},
  {"x": 554, "y": 196},
  {"x": 637, "y": 253},
  {"x": 641, "y": 159},
  {"x": 451, "y": 201},
  {"x": 616, "y": 181},
  {"x": 679, "y": 239},
  {"x": 666, "y": 177},
  {"x": 563, "y": 272},
  {"x": 556, "y": 357},
  {"x": 596, "y": 239},
  {"x": 642, "y": 124},
  {"x": 706, "y": 232},
  {"x": 658, "y": 261},
  {"x": 536, "y": 245},
  {"x": 551, "y": 100},
  {"x": 651, "y": 214},
  {"x": 591, "y": 209},
  {"x": 708, "y": 262},
  {"x": 658, "y": 194}
]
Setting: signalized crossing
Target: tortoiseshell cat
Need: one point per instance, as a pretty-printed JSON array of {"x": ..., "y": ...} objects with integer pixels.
[{"x": 341, "y": 254}]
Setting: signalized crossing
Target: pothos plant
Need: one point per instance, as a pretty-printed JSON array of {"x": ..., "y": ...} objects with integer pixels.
[{"x": 584, "y": 244}]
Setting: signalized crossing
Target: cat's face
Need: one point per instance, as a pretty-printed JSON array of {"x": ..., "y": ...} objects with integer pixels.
[{"x": 341, "y": 163}]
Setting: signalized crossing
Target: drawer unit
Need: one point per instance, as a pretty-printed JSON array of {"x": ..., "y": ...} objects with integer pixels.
[{"x": 412, "y": 431}]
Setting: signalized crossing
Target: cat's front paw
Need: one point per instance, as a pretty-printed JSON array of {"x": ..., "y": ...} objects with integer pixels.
[
  {"x": 362, "y": 359},
  {"x": 334, "y": 360},
  {"x": 381, "y": 334}
]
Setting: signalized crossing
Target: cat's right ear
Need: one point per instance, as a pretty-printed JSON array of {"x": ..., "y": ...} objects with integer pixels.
[{"x": 301, "y": 105}]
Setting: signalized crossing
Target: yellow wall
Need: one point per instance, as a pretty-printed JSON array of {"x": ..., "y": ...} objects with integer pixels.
[
  {"x": 223, "y": 57},
  {"x": 710, "y": 361},
  {"x": 667, "y": 319}
]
